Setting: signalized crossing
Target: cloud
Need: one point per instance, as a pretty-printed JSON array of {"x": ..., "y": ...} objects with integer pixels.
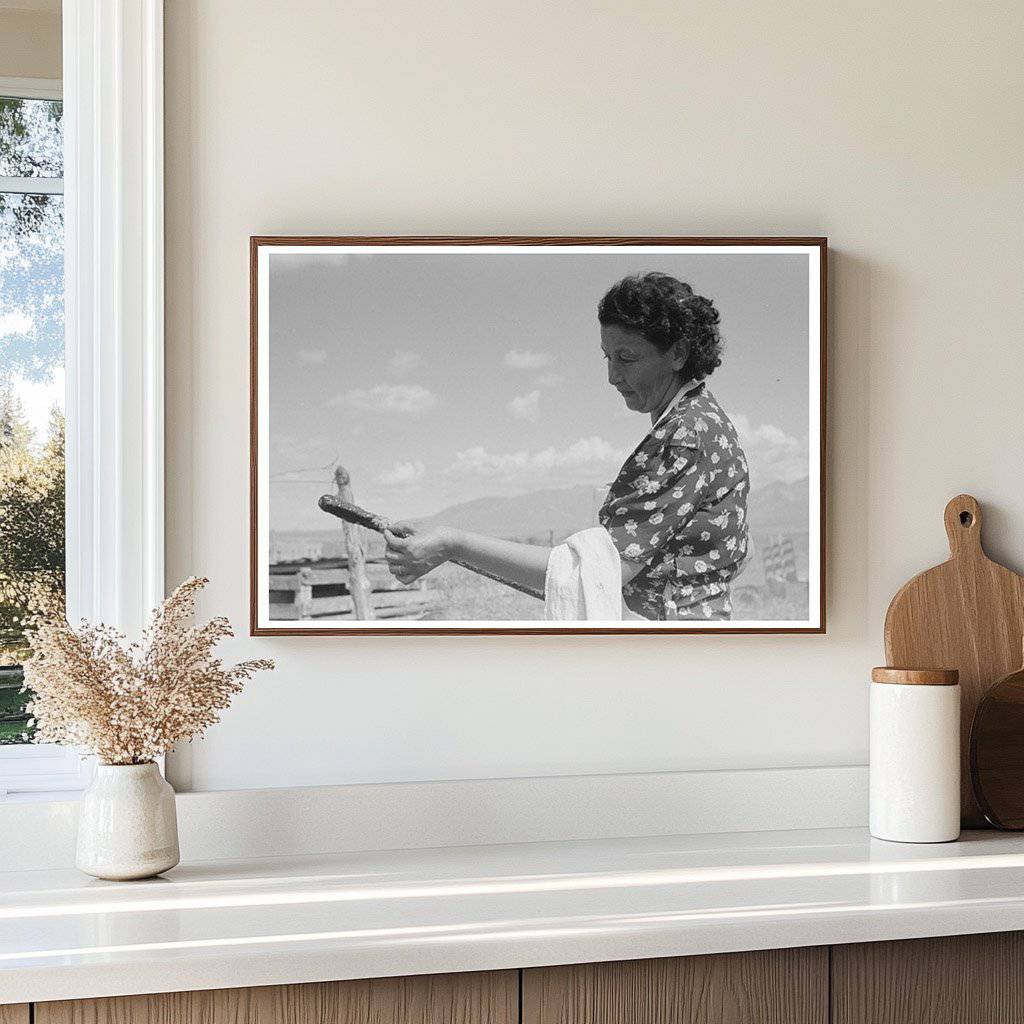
[
  {"x": 405, "y": 399},
  {"x": 549, "y": 380},
  {"x": 15, "y": 321},
  {"x": 525, "y": 407},
  {"x": 526, "y": 360},
  {"x": 402, "y": 363},
  {"x": 589, "y": 459},
  {"x": 38, "y": 400},
  {"x": 402, "y": 474},
  {"x": 312, "y": 356},
  {"x": 772, "y": 453}
]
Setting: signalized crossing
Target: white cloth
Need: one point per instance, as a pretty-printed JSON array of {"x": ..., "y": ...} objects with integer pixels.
[{"x": 584, "y": 578}]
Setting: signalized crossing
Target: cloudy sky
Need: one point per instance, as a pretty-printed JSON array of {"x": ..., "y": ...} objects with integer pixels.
[
  {"x": 440, "y": 378},
  {"x": 38, "y": 397}
]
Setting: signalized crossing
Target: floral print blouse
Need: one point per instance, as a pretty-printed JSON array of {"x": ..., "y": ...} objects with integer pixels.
[{"x": 679, "y": 507}]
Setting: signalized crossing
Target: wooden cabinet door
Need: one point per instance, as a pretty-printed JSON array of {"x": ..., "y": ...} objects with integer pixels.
[
  {"x": 478, "y": 998},
  {"x": 14, "y": 1013},
  {"x": 961, "y": 979},
  {"x": 776, "y": 986}
]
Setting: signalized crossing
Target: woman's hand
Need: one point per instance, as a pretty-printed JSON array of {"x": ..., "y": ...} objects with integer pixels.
[{"x": 412, "y": 553}]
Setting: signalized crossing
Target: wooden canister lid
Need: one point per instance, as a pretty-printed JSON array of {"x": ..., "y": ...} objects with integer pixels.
[{"x": 916, "y": 676}]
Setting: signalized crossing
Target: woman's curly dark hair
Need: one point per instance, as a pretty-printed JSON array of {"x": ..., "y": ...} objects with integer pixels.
[{"x": 666, "y": 310}]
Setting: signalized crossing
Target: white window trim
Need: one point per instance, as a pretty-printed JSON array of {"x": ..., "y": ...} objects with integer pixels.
[
  {"x": 39, "y": 768},
  {"x": 31, "y": 88},
  {"x": 43, "y": 770},
  {"x": 114, "y": 327}
]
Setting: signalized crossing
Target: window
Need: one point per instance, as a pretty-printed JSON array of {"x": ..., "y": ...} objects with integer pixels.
[
  {"x": 112, "y": 203},
  {"x": 31, "y": 378},
  {"x": 31, "y": 405}
]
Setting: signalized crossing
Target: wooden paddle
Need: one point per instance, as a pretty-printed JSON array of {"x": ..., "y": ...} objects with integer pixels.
[{"x": 967, "y": 614}]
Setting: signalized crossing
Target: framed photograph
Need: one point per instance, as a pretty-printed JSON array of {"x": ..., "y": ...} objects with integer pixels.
[{"x": 537, "y": 435}]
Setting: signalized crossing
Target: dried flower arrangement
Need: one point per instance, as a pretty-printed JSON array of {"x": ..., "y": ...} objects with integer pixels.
[{"x": 130, "y": 703}]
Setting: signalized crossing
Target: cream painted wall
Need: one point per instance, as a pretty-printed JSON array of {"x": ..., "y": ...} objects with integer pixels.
[
  {"x": 30, "y": 39},
  {"x": 895, "y": 129}
]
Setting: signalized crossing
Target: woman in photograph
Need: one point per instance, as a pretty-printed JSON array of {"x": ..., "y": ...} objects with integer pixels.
[{"x": 677, "y": 511}]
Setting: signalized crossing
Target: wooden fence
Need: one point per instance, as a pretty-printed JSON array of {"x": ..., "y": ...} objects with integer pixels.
[
  {"x": 309, "y": 592},
  {"x": 356, "y": 586}
]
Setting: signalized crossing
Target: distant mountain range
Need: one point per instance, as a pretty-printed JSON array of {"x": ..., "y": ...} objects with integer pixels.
[
  {"x": 536, "y": 514},
  {"x": 544, "y": 517},
  {"x": 777, "y": 507}
]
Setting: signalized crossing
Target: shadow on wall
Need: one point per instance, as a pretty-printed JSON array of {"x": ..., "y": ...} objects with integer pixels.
[{"x": 853, "y": 286}]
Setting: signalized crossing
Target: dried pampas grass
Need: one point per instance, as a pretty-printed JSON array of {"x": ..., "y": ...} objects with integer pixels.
[{"x": 130, "y": 703}]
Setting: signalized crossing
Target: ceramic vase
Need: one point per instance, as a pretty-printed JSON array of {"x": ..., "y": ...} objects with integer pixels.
[
  {"x": 915, "y": 755},
  {"x": 127, "y": 825}
]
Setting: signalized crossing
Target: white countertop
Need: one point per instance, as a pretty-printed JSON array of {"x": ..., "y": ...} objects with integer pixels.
[{"x": 222, "y": 924}]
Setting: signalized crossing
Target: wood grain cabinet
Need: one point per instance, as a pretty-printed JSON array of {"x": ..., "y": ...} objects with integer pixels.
[
  {"x": 967, "y": 979},
  {"x": 776, "y": 986},
  {"x": 962, "y": 979},
  {"x": 479, "y": 998}
]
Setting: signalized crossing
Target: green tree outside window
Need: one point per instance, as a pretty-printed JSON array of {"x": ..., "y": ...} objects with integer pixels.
[{"x": 32, "y": 553}]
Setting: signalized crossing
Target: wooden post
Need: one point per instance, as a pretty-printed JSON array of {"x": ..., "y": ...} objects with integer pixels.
[
  {"x": 304, "y": 596},
  {"x": 358, "y": 584}
]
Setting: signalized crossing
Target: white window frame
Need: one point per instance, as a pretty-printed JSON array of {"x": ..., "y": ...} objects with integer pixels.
[
  {"x": 114, "y": 328},
  {"x": 31, "y": 89},
  {"x": 37, "y": 767}
]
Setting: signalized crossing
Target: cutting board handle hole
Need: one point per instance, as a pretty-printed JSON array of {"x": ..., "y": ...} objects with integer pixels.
[{"x": 962, "y": 518}]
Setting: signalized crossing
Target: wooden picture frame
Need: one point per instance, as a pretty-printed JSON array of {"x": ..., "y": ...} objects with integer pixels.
[{"x": 315, "y": 591}]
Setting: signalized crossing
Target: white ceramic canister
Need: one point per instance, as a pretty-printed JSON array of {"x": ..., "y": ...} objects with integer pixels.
[
  {"x": 127, "y": 823},
  {"x": 915, "y": 755}
]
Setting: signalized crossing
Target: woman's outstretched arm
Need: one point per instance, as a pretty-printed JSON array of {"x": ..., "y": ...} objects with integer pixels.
[{"x": 411, "y": 553}]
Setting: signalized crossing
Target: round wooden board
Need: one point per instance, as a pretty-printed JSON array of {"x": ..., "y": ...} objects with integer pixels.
[{"x": 997, "y": 753}]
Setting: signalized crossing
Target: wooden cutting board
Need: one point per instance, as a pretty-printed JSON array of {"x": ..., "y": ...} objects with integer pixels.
[{"x": 967, "y": 614}]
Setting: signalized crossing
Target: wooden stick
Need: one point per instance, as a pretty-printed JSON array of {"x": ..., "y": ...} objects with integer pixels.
[
  {"x": 350, "y": 513},
  {"x": 359, "y": 585}
]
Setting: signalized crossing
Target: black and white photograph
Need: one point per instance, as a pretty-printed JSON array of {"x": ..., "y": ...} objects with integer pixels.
[{"x": 537, "y": 435}]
